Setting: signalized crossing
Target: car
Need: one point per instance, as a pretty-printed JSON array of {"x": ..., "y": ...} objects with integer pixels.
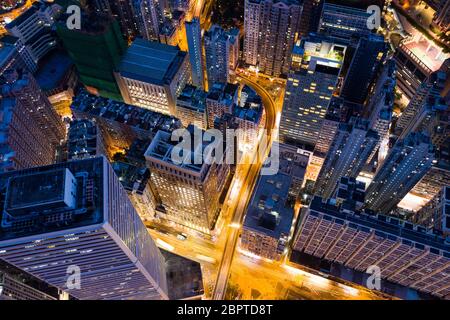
[{"x": 182, "y": 236}]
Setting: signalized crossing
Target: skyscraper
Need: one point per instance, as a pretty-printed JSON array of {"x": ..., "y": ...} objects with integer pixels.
[
  {"x": 194, "y": 40},
  {"x": 32, "y": 128},
  {"x": 268, "y": 218},
  {"x": 406, "y": 163},
  {"x": 96, "y": 50},
  {"x": 379, "y": 107},
  {"x": 425, "y": 107},
  {"x": 217, "y": 50},
  {"x": 366, "y": 61},
  {"x": 149, "y": 16},
  {"x": 77, "y": 216},
  {"x": 84, "y": 140},
  {"x": 151, "y": 75},
  {"x": 351, "y": 147},
  {"x": 405, "y": 253},
  {"x": 189, "y": 188},
  {"x": 345, "y": 22},
  {"x": 270, "y": 29},
  {"x": 312, "y": 79}
]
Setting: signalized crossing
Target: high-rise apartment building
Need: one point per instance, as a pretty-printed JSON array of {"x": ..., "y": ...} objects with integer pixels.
[
  {"x": 187, "y": 179},
  {"x": 77, "y": 216},
  {"x": 312, "y": 80},
  {"x": 33, "y": 28},
  {"x": 194, "y": 40},
  {"x": 406, "y": 163},
  {"x": 405, "y": 253},
  {"x": 96, "y": 50},
  {"x": 149, "y": 16},
  {"x": 352, "y": 145},
  {"x": 152, "y": 75},
  {"x": 31, "y": 128},
  {"x": 417, "y": 58},
  {"x": 125, "y": 14},
  {"x": 217, "y": 51},
  {"x": 14, "y": 54},
  {"x": 365, "y": 64},
  {"x": 271, "y": 28}
]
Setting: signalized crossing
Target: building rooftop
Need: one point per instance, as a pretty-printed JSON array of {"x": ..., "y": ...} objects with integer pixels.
[
  {"x": 151, "y": 61},
  {"x": 271, "y": 208},
  {"x": 133, "y": 116},
  {"x": 224, "y": 93},
  {"x": 53, "y": 70},
  {"x": 82, "y": 139},
  {"x": 269, "y": 212},
  {"x": 384, "y": 226},
  {"x": 132, "y": 178},
  {"x": 41, "y": 199},
  {"x": 250, "y": 106}
]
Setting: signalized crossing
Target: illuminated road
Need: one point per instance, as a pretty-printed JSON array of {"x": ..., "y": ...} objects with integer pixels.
[{"x": 246, "y": 190}]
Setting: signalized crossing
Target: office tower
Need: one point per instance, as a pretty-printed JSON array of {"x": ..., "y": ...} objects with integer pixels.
[
  {"x": 436, "y": 213},
  {"x": 250, "y": 117},
  {"x": 136, "y": 182},
  {"x": 268, "y": 218},
  {"x": 96, "y": 50},
  {"x": 406, "y": 254},
  {"x": 194, "y": 40},
  {"x": 149, "y": 16},
  {"x": 406, "y": 163},
  {"x": 191, "y": 107},
  {"x": 345, "y": 22},
  {"x": 312, "y": 79},
  {"x": 425, "y": 107},
  {"x": 14, "y": 54},
  {"x": 351, "y": 147},
  {"x": 270, "y": 29},
  {"x": 89, "y": 218},
  {"x": 151, "y": 75},
  {"x": 369, "y": 55},
  {"x": 217, "y": 51},
  {"x": 379, "y": 107},
  {"x": 417, "y": 58},
  {"x": 189, "y": 188},
  {"x": 121, "y": 124},
  {"x": 350, "y": 192},
  {"x": 33, "y": 28},
  {"x": 32, "y": 129},
  {"x": 84, "y": 140},
  {"x": 220, "y": 100}
]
